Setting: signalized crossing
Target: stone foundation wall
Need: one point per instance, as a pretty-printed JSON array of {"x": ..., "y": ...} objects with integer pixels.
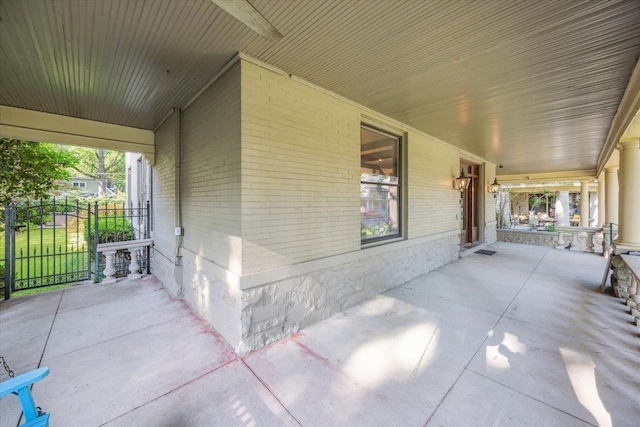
[
  {"x": 626, "y": 285},
  {"x": 537, "y": 238},
  {"x": 275, "y": 310},
  {"x": 490, "y": 234},
  {"x": 577, "y": 241}
]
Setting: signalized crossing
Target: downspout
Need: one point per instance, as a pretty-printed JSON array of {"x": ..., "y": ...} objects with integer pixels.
[{"x": 179, "y": 231}]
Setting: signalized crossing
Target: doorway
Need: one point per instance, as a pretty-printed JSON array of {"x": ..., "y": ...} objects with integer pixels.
[{"x": 469, "y": 203}]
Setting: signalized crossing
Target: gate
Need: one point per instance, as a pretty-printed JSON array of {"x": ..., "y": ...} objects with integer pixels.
[{"x": 53, "y": 242}]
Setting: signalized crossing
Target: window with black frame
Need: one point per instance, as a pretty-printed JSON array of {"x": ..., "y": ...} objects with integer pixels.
[{"x": 379, "y": 185}]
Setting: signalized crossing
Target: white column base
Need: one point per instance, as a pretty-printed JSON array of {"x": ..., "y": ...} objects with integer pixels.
[
  {"x": 133, "y": 265},
  {"x": 110, "y": 268}
]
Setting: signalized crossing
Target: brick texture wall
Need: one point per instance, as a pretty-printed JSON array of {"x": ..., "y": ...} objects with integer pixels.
[
  {"x": 300, "y": 172},
  {"x": 433, "y": 204},
  {"x": 164, "y": 184},
  {"x": 211, "y": 173}
]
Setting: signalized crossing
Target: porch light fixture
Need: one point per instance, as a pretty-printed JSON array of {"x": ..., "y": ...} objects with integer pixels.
[
  {"x": 461, "y": 183},
  {"x": 495, "y": 187}
]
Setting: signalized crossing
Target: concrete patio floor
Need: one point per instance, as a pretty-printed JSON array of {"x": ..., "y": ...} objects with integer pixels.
[{"x": 522, "y": 337}]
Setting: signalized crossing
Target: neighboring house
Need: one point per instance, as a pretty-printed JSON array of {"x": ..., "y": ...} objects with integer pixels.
[
  {"x": 88, "y": 187},
  {"x": 85, "y": 185}
]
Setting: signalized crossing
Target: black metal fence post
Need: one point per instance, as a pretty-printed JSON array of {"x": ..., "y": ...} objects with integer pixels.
[
  {"x": 95, "y": 244},
  {"x": 8, "y": 259},
  {"x": 87, "y": 234}
]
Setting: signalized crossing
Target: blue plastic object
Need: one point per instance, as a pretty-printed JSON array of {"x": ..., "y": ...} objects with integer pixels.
[{"x": 21, "y": 385}]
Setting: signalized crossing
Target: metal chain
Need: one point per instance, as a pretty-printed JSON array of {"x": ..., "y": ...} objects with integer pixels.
[{"x": 6, "y": 367}]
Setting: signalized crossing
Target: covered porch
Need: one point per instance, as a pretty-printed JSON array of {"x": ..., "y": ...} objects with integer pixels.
[{"x": 520, "y": 336}]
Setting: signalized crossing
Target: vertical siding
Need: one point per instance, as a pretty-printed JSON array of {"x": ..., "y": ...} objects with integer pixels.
[
  {"x": 300, "y": 172},
  {"x": 211, "y": 173},
  {"x": 164, "y": 184}
]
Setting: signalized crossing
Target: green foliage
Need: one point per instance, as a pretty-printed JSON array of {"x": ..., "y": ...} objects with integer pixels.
[
  {"x": 113, "y": 228},
  {"x": 376, "y": 230},
  {"x": 551, "y": 228},
  {"x": 104, "y": 165},
  {"x": 43, "y": 242},
  {"x": 31, "y": 170}
]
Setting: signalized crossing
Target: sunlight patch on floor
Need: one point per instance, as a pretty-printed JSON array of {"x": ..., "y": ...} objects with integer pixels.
[
  {"x": 582, "y": 374},
  {"x": 391, "y": 358}
]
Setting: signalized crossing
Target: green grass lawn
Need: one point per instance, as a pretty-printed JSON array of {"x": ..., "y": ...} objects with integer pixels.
[{"x": 50, "y": 252}]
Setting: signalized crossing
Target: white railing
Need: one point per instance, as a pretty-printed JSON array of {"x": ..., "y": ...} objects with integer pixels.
[{"x": 109, "y": 251}]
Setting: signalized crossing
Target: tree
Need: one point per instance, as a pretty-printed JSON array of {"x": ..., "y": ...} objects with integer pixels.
[
  {"x": 31, "y": 169},
  {"x": 503, "y": 207},
  {"x": 105, "y": 166}
]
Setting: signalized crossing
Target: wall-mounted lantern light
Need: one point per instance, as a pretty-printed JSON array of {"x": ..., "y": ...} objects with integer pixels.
[
  {"x": 495, "y": 187},
  {"x": 461, "y": 183}
]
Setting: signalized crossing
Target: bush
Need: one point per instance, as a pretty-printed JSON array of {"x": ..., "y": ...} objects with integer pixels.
[{"x": 116, "y": 228}]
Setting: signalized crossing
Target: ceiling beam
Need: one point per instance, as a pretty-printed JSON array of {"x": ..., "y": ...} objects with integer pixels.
[
  {"x": 30, "y": 125},
  {"x": 627, "y": 111},
  {"x": 549, "y": 177},
  {"x": 244, "y": 12}
]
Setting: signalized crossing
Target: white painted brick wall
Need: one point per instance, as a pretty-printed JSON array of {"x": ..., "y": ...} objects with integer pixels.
[
  {"x": 433, "y": 203},
  {"x": 300, "y": 172},
  {"x": 211, "y": 173},
  {"x": 164, "y": 182}
]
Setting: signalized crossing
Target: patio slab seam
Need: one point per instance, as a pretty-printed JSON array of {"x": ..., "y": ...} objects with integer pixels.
[
  {"x": 454, "y": 273},
  {"x": 110, "y": 300},
  {"x": 466, "y": 367},
  {"x": 529, "y": 397},
  {"x": 53, "y": 322},
  {"x": 171, "y": 391},
  {"x": 624, "y": 350},
  {"x": 115, "y": 338},
  {"x": 266, "y": 386},
  {"x": 452, "y": 301}
]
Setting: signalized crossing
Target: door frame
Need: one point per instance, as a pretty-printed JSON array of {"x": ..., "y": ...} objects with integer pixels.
[{"x": 472, "y": 204}]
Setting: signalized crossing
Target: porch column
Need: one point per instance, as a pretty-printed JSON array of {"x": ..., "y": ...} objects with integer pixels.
[
  {"x": 629, "y": 202},
  {"x": 601, "y": 213},
  {"x": 611, "y": 194},
  {"x": 584, "y": 203},
  {"x": 562, "y": 208}
]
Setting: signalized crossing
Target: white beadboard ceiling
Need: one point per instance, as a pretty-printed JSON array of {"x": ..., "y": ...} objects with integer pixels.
[{"x": 531, "y": 85}]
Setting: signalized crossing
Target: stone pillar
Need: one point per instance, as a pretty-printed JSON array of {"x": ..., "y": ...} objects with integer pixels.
[
  {"x": 584, "y": 203},
  {"x": 562, "y": 208},
  {"x": 601, "y": 211},
  {"x": 611, "y": 194},
  {"x": 629, "y": 217},
  {"x": 629, "y": 201}
]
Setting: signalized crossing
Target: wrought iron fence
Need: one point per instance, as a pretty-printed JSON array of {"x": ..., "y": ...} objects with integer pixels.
[
  {"x": 119, "y": 223},
  {"x": 51, "y": 242}
]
